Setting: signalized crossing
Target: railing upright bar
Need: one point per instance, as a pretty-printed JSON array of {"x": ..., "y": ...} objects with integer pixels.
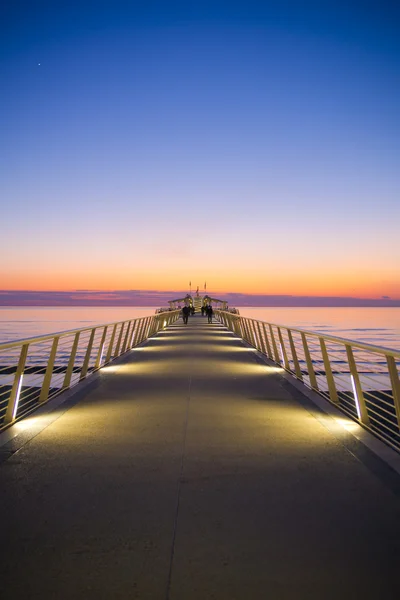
[
  {"x": 394, "y": 379},
  {"x": 12, "y": 406},
  {"x": 238, "y": 327},
  {"x": 71, "y": 362},
  {"x": 261, "y": 338},
  {"x": 269, "y": 353},
  {"x": 147, "y": 328},
  {"x": 253, "y": 334},
  {"x": 157, "y": 323},
  {"x": 133, "y": 334},
  {"x": 86, "y": 360},
  {"x": 247, "y": 330},
  {"x": 257, "y": 340},
  {"x": 111, "y": 343},
  {"x": 275, "y": 347},
  {"x": 128, "y": 330},
  {"x": 283, "y": 350},
  {"x": 141, "y": 332},
  {"x": 243, "y": 331},
  {"x": 357, "y": 388},
  {"x": 249, "y": 336},
  {"x": 151, "y": 324},
  {"x": 118, "y": 346},
  {"x": 310, "y": 366},
  {"x": 333, "y": 395},
  {"x": 100, "y": 352},
  {"x": 297, "y": 369},
  {"x": 44, "y": 392}
]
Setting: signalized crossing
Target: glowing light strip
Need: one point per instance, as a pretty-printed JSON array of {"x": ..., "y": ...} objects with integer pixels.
[
  {"x": 282, "y": 359},
  {"x": 356, "y": 397},
  {"x": 101, "y": 354},
  {"x": 17, "y": 397}
]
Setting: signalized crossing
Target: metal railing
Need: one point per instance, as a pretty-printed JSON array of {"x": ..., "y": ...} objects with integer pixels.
[
  {"x": 360, "y": 379},
  {"x": 34, "y": 370}
]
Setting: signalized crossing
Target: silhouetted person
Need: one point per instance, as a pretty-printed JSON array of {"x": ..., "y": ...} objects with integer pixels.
[
  {"x": 209, "y": 312},
  {"x": 185, "y": 314},
  {"x": 203, "y": 309}
]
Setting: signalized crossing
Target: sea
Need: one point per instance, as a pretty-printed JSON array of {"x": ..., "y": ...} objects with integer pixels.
[{"x": 378, "y": 326}]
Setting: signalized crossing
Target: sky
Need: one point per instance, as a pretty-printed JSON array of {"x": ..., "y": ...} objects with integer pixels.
[{"x": 252, "y": 145}]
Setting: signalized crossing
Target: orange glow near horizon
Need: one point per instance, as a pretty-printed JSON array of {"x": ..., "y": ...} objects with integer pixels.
[{"x": 363, "y": 284}]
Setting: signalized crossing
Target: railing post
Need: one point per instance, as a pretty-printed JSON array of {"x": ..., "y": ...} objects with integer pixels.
[
  {"x": 247, "y": 330},
  {"x": 394, "y": 379},
  {"x": 283, "y": 350},
  {"x": 310, "y": 366},
  {"x": 153, "y": 325},
  {"x": 140, "y": 333},
  {"x": 237, "y": 326},
  {"x": 146, "y": 329},
  {"x": 262, "y": 341},
  {"x": 260, "y": 337},
  {"x": 126, "y": 337},
  {"x": 111, "y": 343},
  {"x": 257, "y": 343},
  {"x": 156, "y": 323},
  {"x": 357, "y": 388},
  {"x": 71, "y": 362},
  {"x": 99, "y": 356},
  {"x": 240, "y": 327},
  {"x": 133, "y": 334},
  {"x": 277, "y": 360},
  {"x": 269, "y": 353},
  {"x": 44, "y": 392},
  {"x": 297, "y": 369},
  {"x": 328, "y": 373},
  {"x": 86, "y": 360},
  {"x": 116, "y": 353},
  {"x": 12, "y": 406}
]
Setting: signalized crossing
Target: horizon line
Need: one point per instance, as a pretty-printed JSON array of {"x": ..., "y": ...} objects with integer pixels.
[{"x": 125, "y": 298}]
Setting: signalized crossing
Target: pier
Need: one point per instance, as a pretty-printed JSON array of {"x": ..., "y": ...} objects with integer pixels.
[{"x": 194, "y": 462}]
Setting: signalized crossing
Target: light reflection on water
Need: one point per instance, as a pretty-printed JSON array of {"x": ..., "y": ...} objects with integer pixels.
[{"x": 380, "y": 326}]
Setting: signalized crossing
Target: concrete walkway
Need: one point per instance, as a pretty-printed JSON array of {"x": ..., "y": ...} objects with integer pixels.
[{"x": 190, "y": 471}]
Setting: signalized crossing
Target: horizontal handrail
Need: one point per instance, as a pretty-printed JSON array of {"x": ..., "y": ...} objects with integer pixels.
[
  {"x": 35, "y": 369},
  {"x": 62, "y": 333},
  {"x": 333, "y": 338},
  {"x": 360, "y": 379}
]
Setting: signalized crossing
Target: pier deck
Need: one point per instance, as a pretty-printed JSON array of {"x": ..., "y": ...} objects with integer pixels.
[{"x": 189, "y": 470}]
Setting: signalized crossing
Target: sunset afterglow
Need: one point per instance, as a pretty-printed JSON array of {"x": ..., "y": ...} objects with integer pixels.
[{"x": 254, "y": 146}]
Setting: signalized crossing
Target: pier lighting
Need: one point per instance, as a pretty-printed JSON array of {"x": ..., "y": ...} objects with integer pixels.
[
  {"x": 17, "y": 397},
  {"x": 101, "y": 353},
  {"x": 281, "y": 349},
  {"x": 356, "y": 397}
]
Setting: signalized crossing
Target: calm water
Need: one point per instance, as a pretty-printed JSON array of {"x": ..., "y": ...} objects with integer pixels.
[{"x": 379, "y": 326}]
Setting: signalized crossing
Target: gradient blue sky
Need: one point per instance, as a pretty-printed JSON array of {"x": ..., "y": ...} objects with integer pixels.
[{"x": 252, "y": 145}]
